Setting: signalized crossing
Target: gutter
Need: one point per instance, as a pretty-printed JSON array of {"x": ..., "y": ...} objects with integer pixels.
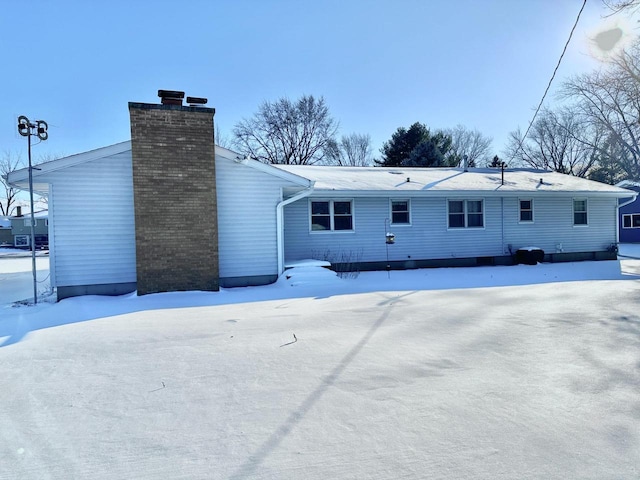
[{"x": 280, "y": 226}]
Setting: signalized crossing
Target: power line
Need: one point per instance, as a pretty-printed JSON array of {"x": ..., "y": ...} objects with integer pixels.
[{"x": 552, "y": 77}]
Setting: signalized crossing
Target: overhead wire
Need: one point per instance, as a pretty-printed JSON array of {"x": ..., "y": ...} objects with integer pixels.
[{"x": 555, "y": 70}]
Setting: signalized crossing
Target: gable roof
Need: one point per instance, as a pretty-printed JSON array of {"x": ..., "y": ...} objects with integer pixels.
[
  {"x": 448, "y": 181},
  {"x": 20, "y": 177}
]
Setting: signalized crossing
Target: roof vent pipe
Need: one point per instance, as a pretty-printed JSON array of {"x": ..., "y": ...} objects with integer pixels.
[{"x": 465, "y": 162}]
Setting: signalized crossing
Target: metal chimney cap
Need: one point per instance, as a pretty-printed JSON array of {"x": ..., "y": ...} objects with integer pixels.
[
  {"x": 197, "y": 100},
  {"x": 170, "y": 94}
]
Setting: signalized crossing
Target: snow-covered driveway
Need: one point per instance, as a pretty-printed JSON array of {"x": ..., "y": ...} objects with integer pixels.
[{"x": 528, "y": 381}]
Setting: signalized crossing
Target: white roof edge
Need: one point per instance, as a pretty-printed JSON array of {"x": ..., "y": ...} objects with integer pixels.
[
  {"x": 275, "y": 171},
  {"x": 319, "y": 192},
  {"x": 71, "y": 160}
]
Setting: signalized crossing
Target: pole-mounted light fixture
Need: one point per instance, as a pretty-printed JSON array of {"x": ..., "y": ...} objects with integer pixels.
[{"x": 28, "y": 129}]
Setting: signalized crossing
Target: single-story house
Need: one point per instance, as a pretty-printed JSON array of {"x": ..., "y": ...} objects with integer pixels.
[
  {"x": 629, "y": 214},
  {"x": 171, "y": 211},
  {"x": 21, "y": 229}
]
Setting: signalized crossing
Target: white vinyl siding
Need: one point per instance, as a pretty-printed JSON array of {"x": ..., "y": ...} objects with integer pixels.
[
  {"x": 99, "y": 249},
  {"x": 430, "y": 238},
  {"x": 247, "y": 201}
]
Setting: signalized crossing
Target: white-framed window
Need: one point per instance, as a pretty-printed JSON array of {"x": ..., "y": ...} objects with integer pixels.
[
  {"x": 631, "y": 220},
  {"x": 21, "y": 241},
  {"x": 580, "y": 207},
  {"x": 526, "y": 210},
  {"x": 331, "y": 215},
  {"x": 465, "y": 213},
  {"x": 27, "y": 222},
  {"x": 400, "y": 212}
]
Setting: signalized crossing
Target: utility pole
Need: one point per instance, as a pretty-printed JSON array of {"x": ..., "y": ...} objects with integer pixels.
[{"x": 28, "y": 129}]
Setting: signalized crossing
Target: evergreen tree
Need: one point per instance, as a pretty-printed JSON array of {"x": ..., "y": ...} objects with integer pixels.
[{"x": 417, "y": 147}]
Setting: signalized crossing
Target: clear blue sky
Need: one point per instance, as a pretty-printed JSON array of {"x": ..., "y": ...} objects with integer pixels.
[{"x": 379, "y": 64}]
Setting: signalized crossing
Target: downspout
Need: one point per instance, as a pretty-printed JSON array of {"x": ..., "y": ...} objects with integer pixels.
[
  {"x": 618, "y": 206},
  {"x": 280, "y": 226}
]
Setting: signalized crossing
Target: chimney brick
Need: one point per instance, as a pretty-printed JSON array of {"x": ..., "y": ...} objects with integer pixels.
[{"x": 174, "y": 185}]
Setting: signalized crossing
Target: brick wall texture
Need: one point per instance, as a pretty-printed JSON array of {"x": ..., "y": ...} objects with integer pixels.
[{"x": 174, "y": 186}]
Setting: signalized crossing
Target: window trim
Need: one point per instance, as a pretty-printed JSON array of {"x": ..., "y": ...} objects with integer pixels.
[
  {"x": 586, "y": 211},
  {"x": 26, "y": 238},
  {"x": 331, "y": 215},
  {"x": 630, "y": 216},
  {"x": 400, "y": 224},
  {"x": 520, "y": 210},
  {"x": 465, "y": 212}
]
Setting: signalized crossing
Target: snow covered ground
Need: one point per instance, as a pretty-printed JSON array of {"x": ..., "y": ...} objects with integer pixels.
[{"x": 491, "y": 372}]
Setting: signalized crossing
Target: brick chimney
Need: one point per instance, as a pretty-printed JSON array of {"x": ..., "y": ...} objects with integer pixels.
[
  {"x": 174, "y": 189},
  {"x": 18, "y": 211}
]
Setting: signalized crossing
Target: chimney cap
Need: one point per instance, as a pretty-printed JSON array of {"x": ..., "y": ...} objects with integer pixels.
[
  {"x": 170, "y": 94},
  {"x": 197, "y": 100}
]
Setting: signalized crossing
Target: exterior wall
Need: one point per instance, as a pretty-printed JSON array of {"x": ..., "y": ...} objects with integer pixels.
[
  {"x": 92, "y": 236},
  {"x": 553, "y": 229},
  {"x": 429, "y": 238},
  {"x": 6, "y": 238},
  {"x": 173, "y": 173},
  {"x": 19, "y": 228},
  {"x": 629, "y": 235},
  {"x": 247, "y": 200}
]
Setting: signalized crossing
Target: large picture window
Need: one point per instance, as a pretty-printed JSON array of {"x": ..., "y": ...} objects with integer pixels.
[
  {"x": 331, "y": 215},
  {"x": 580, "y": 212},
  {"x": 466, "y": 213},
  {"x": 400, "y": 212}
]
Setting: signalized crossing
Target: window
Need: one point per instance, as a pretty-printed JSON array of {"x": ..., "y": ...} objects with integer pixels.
[
  {"x": 580, "y": 212},
  {"x": 466, "y": 214},
  {"x": 631, "y": 220},
  {"x": 526, "y": 210},
  {"x": 27, "y": 222},
  {"x": 21, "y": 241},
  {"x": 327, "y": 215},
  {"x": 400, "y": 212}
]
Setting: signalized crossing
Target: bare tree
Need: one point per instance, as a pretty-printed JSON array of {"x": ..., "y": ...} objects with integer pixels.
[
  {"x": 221, "y": 139},
  {"x": 469, "y": 143},
  {"x": 560, "y": 141},
  {"x": 352, "y": 150},
  {"x": 610, "y": 100},
  {"x": 617, "y": 6},
  {"x": 8, "y": 163},
  {"x": 288, "y": 132}
]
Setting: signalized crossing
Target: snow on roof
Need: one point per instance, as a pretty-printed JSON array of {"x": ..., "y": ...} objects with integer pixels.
[
  {"x": 446, "y": 180},
  {"x": 5, "y": 222}
]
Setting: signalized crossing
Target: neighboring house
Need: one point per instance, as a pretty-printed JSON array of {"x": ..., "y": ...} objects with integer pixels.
[
  {"x": 166, "y": 216},
  {"x": 629, "y": 214},
  {"x": 6, "y": 239},
  {"x": 21, "y": 230}
]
